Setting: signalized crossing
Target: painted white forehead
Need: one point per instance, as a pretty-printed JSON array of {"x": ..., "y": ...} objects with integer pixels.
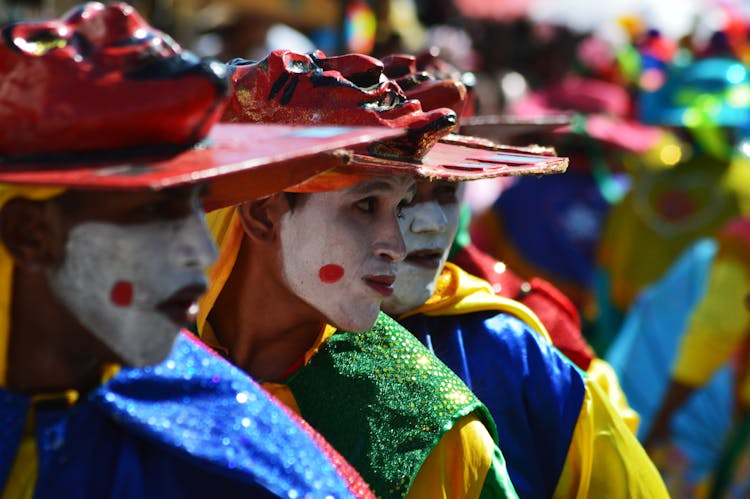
[{"x": 386, "y": 183}]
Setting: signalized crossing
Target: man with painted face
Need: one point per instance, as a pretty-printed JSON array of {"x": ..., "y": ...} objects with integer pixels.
[
  {"x": 502, "y": 352},
  {"x": 524, "y": 381},
  {"x": 301, "y": 276},
  {"x": 102, "y": 261}
]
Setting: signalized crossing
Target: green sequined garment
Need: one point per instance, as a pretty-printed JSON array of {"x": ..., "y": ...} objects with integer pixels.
[{"x": 383, "y": 401}]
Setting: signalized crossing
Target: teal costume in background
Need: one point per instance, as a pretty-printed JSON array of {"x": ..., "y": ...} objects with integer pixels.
[{"x": 645, "y": 349}]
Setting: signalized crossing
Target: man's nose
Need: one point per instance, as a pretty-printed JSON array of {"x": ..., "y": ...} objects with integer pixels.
[
  {"x": 389, "y": 243},
  {"x": 194, "y": 246},
  {"x": 427, "y": 217}
]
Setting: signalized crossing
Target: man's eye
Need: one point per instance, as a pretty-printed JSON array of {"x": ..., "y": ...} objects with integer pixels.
[
  {"x": 401, "y": 206},
  {"x": 367, "y": 205},
  {"x": 150, "y": 209},
  {"x": 165, "y": 209},
  {"x": 445, "y": 195},
  {"x": 41, "y": 43}
]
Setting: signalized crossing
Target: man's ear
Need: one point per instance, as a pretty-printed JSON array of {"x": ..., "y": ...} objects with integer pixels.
[
  {"x": 32, "y": 233},
  {"x": 260, "y": 217}
]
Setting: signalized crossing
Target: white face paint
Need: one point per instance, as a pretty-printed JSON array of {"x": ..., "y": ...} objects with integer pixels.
[
  {"x": 429, "y": 226},
  {"x": 340, "y": 249},
  {"x": 134, "y": 286}
]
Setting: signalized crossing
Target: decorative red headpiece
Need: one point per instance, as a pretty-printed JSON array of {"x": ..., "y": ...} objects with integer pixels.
[
  {"x": 352, "y": 89},
  {"x": 101, "y": 78},
  {"x": 292, "y": 88},
  {"x": 437, "y": 83},
  {"x": 430, "y": 80}
]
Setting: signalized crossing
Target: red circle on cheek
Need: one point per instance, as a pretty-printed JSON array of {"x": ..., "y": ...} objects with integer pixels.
[
  {"x": 331, "y": 273},
  {"x": 121, "y": 293}
]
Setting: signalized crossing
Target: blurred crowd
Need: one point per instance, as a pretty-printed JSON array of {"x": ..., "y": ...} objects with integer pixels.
[{"x": 646, "y": 234}]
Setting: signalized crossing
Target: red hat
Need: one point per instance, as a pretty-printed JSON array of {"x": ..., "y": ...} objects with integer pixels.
[
  {"x": 597, "y": 108},
  {"x": 291, "y": 88},
  {"x": 352, "y": 89},
  {"x": 100, "y": 99},
  {"x": 430, "y": 80}
]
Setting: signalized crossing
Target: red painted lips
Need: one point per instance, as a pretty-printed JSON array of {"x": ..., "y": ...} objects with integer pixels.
[
  {"x": 427, "y": 258},
  {"x": 181, "y": 307}
]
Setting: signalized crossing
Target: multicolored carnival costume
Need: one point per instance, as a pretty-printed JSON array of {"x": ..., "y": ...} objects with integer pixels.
[{"x": 526, "y": 383}]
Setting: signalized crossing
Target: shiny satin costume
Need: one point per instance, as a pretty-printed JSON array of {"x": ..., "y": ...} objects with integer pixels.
[
  {"x": 560, "y": 434},
  {"x": 192, "y": 426}
]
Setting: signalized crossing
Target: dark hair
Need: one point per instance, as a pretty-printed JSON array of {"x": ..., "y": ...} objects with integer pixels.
[{"x": 294, "y": 199}]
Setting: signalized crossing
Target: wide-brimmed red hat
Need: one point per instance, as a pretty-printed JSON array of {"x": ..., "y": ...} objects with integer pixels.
[
  {"x": 99, "y": 99},
  {"x": 352, "y": 89}
]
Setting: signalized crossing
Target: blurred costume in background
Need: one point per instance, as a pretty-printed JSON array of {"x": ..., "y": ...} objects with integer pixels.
[
  {"x": 703, "y": 184},
  {"x": 695, "y": 357},
  {"x": 550, "y": 227},
  {"x": 558, "y": 314}
]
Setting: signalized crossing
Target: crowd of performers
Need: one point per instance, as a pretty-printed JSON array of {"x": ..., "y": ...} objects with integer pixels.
[{"x": 266, "y": 278}]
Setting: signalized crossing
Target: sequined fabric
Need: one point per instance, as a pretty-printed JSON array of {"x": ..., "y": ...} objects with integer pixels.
[
  {"x": 190, "y": 427},
  {"x": 383, "y": 401},
  {"x": 199, "y": 404}
]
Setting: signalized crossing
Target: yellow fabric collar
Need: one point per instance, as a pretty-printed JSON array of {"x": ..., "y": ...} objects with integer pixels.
[
  {"x": 458, "y": 292},
  {"x": 226, "y": 229},
  {"x": 8, "y": 192},
  {"x": 325, "y": 333}
]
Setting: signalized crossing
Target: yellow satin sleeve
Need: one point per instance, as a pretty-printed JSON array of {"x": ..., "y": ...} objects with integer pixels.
[
  {"x": 717, "y": 325},
  {"x": 601, "y": 373},
  {"x": 605, "y": 459},
  {"x": 458, "y": 465}
]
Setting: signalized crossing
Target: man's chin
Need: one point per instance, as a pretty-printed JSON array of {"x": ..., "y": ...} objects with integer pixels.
[
  {"x": 156, "y": 354},
  {"x": 358, "y": 324},
  {"x": 404, "y": 301}
]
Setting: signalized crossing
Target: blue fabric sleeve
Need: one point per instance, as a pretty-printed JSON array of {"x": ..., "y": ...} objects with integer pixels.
[{"x": 533, "y": 392}]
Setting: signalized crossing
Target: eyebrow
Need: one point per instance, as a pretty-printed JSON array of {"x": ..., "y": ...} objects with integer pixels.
[{"x": 368, "y": 186}]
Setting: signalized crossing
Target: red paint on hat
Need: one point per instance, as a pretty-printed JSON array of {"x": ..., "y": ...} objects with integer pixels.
[
  {"x": 331, "y": 273},
  {"x": 122, "y": 293}
]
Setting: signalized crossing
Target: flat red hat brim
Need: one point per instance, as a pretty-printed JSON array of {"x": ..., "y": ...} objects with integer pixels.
[
  {"x": 458, "y": 158},
  {"x": 241, "y": 161}
]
